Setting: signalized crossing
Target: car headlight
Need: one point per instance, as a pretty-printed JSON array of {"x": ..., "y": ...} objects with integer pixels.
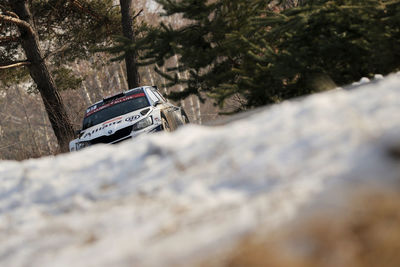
[
  {"x": 143, "y": 123},
  {"x": 81, "y": 145}
]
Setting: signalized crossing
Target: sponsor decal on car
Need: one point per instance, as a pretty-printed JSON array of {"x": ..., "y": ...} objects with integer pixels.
[
  {"x": 91, "y": 109},
  {"x": 94, "y": 108},
  {"x": 110, "y": 123},
  {"x": 88, "y": 134},
  {"x": 112, "y": 120},
  {"x": 132, "y": 118}
]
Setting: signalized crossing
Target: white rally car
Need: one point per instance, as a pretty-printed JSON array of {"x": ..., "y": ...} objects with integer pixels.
[{"x": 126, "y": 115}]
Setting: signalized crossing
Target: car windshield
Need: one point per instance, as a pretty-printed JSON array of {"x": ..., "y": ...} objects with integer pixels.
[{"x": 115, "y": 108}]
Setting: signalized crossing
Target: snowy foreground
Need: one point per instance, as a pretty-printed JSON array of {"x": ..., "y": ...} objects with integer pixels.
[{"x": 169, "y": 199}]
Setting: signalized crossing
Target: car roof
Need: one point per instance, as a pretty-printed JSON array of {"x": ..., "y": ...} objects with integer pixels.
[{"x": 121, "y": 93}]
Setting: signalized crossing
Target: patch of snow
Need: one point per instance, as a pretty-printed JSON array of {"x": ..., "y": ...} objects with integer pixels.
[
  {"x": 152, "y": 6},
  {"x": 168, "y": 199},
  {"x": 365, "y": 80}
]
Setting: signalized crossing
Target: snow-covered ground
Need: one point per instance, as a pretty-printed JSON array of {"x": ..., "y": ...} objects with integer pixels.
[{"x": 168, "y": 199}]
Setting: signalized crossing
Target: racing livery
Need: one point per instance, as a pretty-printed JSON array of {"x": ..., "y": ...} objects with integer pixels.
[{"x": 127, "y": 115}]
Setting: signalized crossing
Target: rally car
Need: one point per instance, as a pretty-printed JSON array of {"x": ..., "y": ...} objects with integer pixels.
[{"x": 127, "y": 115}]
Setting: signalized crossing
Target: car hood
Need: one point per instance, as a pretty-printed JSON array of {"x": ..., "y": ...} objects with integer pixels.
[{"x": 110, "y": 126}]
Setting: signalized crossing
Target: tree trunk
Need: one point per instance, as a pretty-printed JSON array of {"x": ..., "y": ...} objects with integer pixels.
[
  {"x": 130, "y": 57},
  {"x": 122, "y": 72},
  {"x": 40, "y": 74}
]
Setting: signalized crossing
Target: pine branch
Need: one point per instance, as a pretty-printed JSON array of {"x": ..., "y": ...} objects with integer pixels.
[
  {"x": 14, "y": 64},
  {"x": 18, "y": 22},
  {"x": 78, "y": 5},
  {"x": 11, "y": 14},
  {"x": 134, "y": 17}
]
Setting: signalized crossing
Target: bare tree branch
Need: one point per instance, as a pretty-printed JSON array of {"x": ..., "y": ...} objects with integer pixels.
[
  {"x": 8, "y": 65},
  {"x": 61, "y": 49},
  {"x": 18, "y": 22},
  {"x": 7, "y": 146},
  {"x": 77, "y": 4},
  {"x": 11, "y": 14},
  {"x": 134, "y": 17}
]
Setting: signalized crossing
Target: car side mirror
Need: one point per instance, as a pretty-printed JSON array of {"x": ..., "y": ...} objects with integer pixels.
[{"x": 157, "y": 103}]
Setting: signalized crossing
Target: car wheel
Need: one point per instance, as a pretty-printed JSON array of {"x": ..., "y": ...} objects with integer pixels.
[
  {"x": 168, "y": 124},
  {"x": 185, "y": 118}
]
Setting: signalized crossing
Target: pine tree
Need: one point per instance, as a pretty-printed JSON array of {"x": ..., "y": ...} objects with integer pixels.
[
  {"x": 38, "y": 32},
  {"x": 202, "y": 46},
  {"x": 266, "y": 51},
  {"x": 315, "y": 47}
]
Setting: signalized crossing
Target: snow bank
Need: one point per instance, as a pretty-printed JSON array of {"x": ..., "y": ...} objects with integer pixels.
[{"x": 168, "y": 199}]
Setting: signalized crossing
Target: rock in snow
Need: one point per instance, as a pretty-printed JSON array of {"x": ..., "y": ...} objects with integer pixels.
[{"x": 168, "y": 199}]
